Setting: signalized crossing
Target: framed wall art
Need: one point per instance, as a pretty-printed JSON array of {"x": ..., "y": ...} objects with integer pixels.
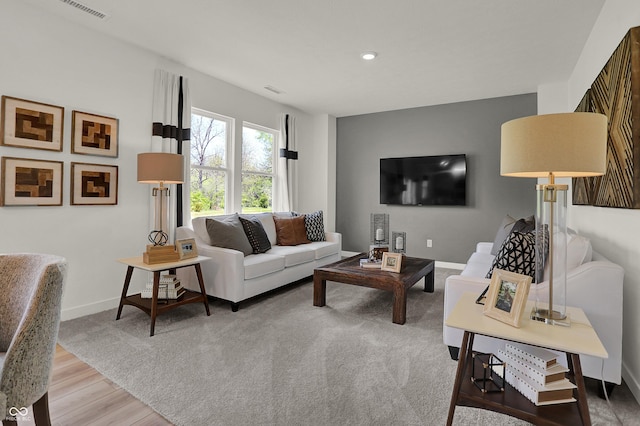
[
  {"x": 28, "y": 182},
  {"x": 391, "y": 262},
  {"x": 94, "y": 134},
  {"x": 94, "y": 184},
  {"x": 507, "y": 296},
  {"x": 29, "y": 124}
]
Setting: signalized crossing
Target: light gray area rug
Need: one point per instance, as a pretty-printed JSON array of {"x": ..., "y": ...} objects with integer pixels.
[{"x": 281, "y": 361}]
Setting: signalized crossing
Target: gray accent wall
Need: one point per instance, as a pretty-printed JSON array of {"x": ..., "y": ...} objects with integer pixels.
[{"x": 471, "y": 128}]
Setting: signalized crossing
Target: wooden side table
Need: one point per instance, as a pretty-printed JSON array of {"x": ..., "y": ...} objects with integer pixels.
[
  {"x": 579, "y": 338},
  {"x": 151, "y": 306}
]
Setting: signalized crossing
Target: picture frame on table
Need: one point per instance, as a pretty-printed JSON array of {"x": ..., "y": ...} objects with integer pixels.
[
  {"x": 93, "y": 134},
  {"x": 30, "y": 124},
  {"x": 187, "y": 248},
  {"x": 391, "y": 262},
  {"x": 507, "y": 296},
  {"x": 30, "y": 182},
  {"x": 94, "y": 184}
]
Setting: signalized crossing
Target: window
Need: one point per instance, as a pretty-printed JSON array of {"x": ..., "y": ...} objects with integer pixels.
[
  {"x": 210, "y": 141},
  {"x": 258, "y": 172}
]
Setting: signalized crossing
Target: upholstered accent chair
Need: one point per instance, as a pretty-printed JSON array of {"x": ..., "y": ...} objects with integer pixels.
[{"x": 31, "y": 288}]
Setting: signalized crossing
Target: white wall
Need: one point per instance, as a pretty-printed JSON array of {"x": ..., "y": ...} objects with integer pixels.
[
  {"x": 47, "y": 59},
  {"x": 613, "y": 232},
  {"x": 319, "y": 166}
]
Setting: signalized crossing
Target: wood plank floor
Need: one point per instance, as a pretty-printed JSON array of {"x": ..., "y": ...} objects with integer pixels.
[{"x": 79, "y": 395}]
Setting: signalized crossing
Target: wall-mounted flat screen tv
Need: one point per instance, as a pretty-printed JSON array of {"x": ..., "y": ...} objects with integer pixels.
[{"x": 438, "y": 180}]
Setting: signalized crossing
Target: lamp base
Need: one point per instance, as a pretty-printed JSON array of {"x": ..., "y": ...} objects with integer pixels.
[{"x": 550, "y": 317}]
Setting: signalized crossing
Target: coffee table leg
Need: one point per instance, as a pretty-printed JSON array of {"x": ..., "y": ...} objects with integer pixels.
[
  {"x": 319, "y": 291},
  {"x": 127, "y": 281},
  {"x": 428, "y": 282},
  {"x": 399, "y": 305}
]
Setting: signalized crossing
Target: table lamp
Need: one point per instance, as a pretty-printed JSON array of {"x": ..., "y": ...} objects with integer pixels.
[
  {"x": 160, "y": 168},
  {"x": 553, "y": 145}
]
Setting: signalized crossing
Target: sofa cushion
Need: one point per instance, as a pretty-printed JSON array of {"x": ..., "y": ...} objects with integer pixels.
[
  {"x": 503, "y": 231},
  {"x": 290, "y": 231},
  {"x": 294, "y": 255},
  {"x": 517, "y": 254},
  {"x": 315, "y": 226},
  {"x": 255, "y": 234},
  {"x": 323, "y": 249},
  {"x": 228, "y": 233},
  {"x": 262, "y": 264}
]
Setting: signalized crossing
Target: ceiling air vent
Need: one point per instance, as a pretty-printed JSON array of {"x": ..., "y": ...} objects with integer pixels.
[
  {"x": 274, "y": 90},
  {"x": 86, "y": 9}
]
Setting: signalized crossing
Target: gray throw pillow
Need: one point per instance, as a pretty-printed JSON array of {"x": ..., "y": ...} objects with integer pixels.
[
  {"x": 229, "y": 233},
  {"x": 503, "y": 231}
]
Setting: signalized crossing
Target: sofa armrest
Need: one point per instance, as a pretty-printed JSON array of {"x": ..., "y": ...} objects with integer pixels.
[
  {"x": 484, "y": 247},
  {"x": 223, "y": 274},
  {"x": 334, "y": 237}
]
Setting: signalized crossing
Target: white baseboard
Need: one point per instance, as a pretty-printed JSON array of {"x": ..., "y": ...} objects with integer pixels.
[
  {"x": 91, "y": 308},
  {"x": 632, "y": 382}
]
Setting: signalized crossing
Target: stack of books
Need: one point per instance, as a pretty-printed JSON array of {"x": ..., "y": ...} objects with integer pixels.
[
  {"x": 535, "y": 373},
  {"x": 370, "y": 264},
  {"x": 170, "y": 288}
]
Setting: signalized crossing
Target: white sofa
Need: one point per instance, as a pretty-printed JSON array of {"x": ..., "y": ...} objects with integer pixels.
[
  {"x": 232, "y": 276},
  {"x": 594, "y": 284}
]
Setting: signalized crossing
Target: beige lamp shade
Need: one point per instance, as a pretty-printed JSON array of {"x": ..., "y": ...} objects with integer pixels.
[
  {"x": 567, "y": 145},
  {"x": 156, "y": 167}
]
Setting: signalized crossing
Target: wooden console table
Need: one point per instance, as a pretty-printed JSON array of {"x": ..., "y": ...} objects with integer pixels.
[
  {"x": 579, "y": 338},
  {"x": 151, "y": 306}
]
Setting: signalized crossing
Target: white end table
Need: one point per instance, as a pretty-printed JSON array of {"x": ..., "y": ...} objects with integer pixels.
[
  {"x": 579, "y": 338},
  {"x": 151, "y": 306}
]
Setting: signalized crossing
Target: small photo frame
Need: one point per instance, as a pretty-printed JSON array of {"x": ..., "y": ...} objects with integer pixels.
[
  {"x": 391, "y": 262},
  {"x": 187, "y": 248},
  {"x": 29, "y": 124},
  {"x": 94, "y": 134},
  {"x": 507, "y": 296},
  {"x": 28, "y": 182},
  {"x": 94, "y": 184}
]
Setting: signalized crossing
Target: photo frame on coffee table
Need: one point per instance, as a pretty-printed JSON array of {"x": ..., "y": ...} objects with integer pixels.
[
  {"x": 507, "y": 296},
  {"x": 94, "y": 184},
  {"x": 94, "y": 134},
  {"x": 29, "y": 182},
  {"x": 391, "y": 262},
  {"x": 30, "y": 124}
]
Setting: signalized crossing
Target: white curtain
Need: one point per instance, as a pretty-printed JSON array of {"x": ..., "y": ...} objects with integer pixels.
[
  {"x": 171, "y": 132},
  {"x": 286, "y": 172}
]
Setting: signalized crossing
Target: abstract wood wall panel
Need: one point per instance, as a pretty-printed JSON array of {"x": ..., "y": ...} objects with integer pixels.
[{"x": 616, "y": 94}]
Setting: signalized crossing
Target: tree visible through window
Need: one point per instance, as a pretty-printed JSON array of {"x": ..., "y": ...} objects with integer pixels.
[
  {"x": 209, "y": 169},
  {"x": 257, "y": 168}
]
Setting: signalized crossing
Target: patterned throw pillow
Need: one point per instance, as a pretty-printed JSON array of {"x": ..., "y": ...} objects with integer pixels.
[
  {"x": 256, "y": 234},
  {"x": 315, "y": 226},
  {"x": 517, "y": 254}
]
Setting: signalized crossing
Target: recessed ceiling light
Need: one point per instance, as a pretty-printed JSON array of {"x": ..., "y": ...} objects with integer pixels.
[{"x": 369, "y": 56}]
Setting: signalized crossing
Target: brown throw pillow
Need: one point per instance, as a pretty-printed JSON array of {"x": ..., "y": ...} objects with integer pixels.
[{"x": 290, "y": 231}]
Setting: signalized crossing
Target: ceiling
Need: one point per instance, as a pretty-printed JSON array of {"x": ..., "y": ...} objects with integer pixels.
[{"x": 429, "y": 51}]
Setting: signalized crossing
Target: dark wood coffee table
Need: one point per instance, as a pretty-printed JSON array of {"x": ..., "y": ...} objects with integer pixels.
[{"x": 349, "y": 271}]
